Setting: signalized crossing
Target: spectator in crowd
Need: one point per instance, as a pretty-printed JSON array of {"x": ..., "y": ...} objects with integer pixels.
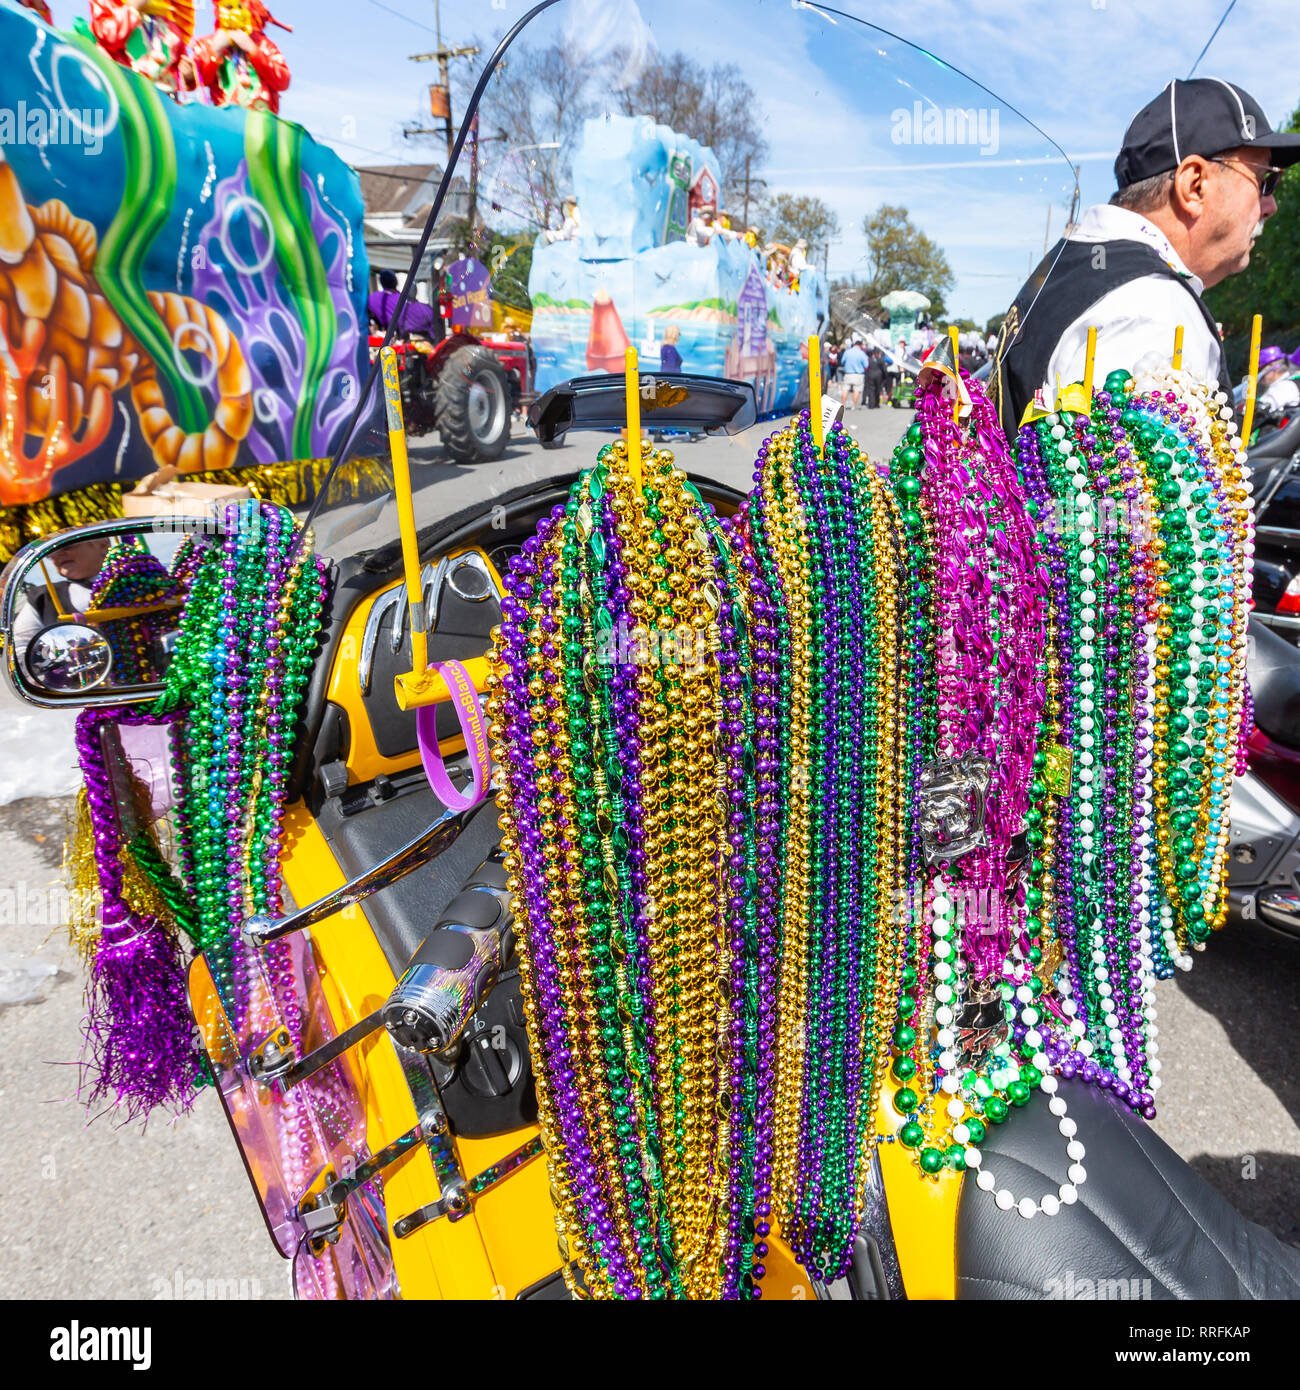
[
  {"x": 855, "y": 372},
  {"x": 831, "y": 365},
  {"x": 875, "y": 378}
]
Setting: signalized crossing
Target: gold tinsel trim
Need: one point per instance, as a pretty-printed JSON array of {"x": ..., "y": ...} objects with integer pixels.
[
  {"x": 292, "y": 484},
  {"x": 81, "y": 874},
  {"x": 82, "y": 878}
]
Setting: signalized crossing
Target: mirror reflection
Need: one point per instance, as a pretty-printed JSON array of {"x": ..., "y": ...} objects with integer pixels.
[
  {"x": 102, "y": 611},
  {"x": 69, "y": 658}
]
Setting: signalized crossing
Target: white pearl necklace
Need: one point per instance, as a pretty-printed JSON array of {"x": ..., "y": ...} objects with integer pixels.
[{"x": 1051, "y": 1202}]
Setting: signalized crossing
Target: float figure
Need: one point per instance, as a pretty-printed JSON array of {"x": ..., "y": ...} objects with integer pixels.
[
  {"x": 238, "y": 64},
  {"x": 149, "y": 37}
]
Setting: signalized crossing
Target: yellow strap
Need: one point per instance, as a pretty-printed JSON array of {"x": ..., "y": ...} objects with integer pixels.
[
  {"x": 111, "y": 615},
  {"x": 53, "y": 593}
]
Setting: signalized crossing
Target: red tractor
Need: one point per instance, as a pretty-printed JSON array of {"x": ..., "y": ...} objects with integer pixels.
[{"x": 465, "y": 387}]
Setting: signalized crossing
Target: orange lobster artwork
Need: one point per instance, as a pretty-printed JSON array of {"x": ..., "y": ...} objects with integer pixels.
[{"x": 65, "y": 354}]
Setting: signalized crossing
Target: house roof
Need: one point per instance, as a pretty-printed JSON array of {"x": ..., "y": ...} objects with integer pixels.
[{"x": 393, "y": 188}]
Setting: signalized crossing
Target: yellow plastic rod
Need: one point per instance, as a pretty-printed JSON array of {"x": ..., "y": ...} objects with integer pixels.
[
  {"x": 53, "y": 593},
  {"x": 632, "y": 386},
  {"x": 815, "y": 393},
  {"x": 956, "y": 373},
  {"x": 405, "y": 509},
  {"x": 1090, "y": 357},
  {"x": 113, "y": 615},
  {"x": 1178, "y": 347},
  {"x": 1248, "y": 419}
]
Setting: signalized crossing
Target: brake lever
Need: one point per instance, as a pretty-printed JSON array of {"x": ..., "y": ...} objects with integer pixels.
[{"x": 427, "y": 845}]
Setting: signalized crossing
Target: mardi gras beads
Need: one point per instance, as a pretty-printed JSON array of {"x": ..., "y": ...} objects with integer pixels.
[
  {"x": 132, "y": 578},
  {"x": 826, "y": 532},
  {"x": 981, "y": 686},
  {"x": 243, "y": 656},
  {"x": 1097, "y": 621},
  {"x": 630, "y": 706},
  {"x": 239, "y": 671},
  {"x": 1148, "y": 624},
  {"x": 1208, "y": 609}
]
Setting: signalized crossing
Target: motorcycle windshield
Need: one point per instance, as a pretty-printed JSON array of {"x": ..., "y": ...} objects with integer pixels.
[
  {"x": 710, "y": 185},
  {"x": 254, "y": 1011}
]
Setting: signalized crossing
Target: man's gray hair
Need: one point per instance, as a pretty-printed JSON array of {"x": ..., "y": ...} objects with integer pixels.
[{"x": 1146, "y": 195}]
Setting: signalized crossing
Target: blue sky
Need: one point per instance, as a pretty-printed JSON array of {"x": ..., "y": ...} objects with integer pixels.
[{"x": 838, "y": 97}]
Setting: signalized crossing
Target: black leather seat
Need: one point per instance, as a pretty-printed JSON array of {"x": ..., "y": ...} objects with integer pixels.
[
  {"x": 1146, "y": 1226},
  {"x": 1273, "y": 668},
  {"x": 1280, "y": 444}
]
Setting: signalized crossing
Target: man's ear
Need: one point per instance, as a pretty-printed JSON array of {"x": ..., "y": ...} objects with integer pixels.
[{"x": 1191, "y": 185}]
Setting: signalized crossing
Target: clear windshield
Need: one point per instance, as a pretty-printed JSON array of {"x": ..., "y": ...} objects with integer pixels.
[{"x": 708, "y": 184}]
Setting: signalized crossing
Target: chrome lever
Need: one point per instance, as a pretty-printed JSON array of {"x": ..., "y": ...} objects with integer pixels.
[{"x": 427, "y": 845}]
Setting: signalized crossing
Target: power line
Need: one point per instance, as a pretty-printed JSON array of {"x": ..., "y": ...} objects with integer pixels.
[
  {"x": 379, "y": 5},
  {"x": 1231, "y": 6}
]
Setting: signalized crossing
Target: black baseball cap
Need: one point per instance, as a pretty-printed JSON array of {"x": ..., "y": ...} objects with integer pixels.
[{"x": 1203, "y": 115}]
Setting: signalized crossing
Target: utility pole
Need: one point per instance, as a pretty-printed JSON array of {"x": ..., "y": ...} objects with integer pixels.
[
  {"x": 440, "y": 97},
  {"x": 1047, "y": 235}
]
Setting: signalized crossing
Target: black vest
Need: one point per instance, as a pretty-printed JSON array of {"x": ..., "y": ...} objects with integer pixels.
[{"x": 1065, "y": 285}]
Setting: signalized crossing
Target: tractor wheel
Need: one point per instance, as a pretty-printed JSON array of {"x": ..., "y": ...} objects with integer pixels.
[{"x": 473, "y": 400}]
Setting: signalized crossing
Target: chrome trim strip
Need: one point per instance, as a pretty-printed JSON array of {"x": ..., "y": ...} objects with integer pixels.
[
  {"x": 370, "y": 638},
  {"x": 427, "y": 845}
]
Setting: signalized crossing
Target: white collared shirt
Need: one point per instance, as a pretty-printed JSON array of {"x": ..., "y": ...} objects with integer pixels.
[{"x": 1138, "y": 319}]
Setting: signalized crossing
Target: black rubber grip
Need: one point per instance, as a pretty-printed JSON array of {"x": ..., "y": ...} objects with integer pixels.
[{"x": 448, "y": 950}]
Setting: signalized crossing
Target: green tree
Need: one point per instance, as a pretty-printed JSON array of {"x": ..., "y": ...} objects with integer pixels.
[
  {"x": 994, "y": 325},
  {"x": 530, "y": 121},
  {"x": 901, "y": 257},
  {"x": 713, "y": 105},
  {"x": 1270, "y": 284},
  {"x": 787, "y": 217}
]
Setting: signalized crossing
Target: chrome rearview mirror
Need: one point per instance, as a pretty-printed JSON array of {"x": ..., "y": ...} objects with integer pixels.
[{"x": 89, "y": 617}]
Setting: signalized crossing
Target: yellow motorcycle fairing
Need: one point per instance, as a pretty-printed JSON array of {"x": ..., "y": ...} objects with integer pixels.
[{"x": 506, "y": 1244}]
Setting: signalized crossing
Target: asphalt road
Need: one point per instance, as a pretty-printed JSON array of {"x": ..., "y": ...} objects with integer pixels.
[{"x": 104, "y": 1211}]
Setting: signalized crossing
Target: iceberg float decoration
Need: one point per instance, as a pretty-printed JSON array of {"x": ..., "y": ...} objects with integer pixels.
[{"x": 629, "y": 274}]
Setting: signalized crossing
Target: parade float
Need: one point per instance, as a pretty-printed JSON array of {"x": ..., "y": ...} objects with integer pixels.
[
  {"x": 627, "y": 275},
  {"x": 182, "y": 284}
]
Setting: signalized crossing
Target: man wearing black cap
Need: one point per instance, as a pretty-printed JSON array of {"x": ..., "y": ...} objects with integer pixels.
[{"x": 1195, "y": 180}]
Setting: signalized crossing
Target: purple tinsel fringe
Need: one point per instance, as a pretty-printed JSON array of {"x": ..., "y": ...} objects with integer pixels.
[{"x": 141, "y": 1041}]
